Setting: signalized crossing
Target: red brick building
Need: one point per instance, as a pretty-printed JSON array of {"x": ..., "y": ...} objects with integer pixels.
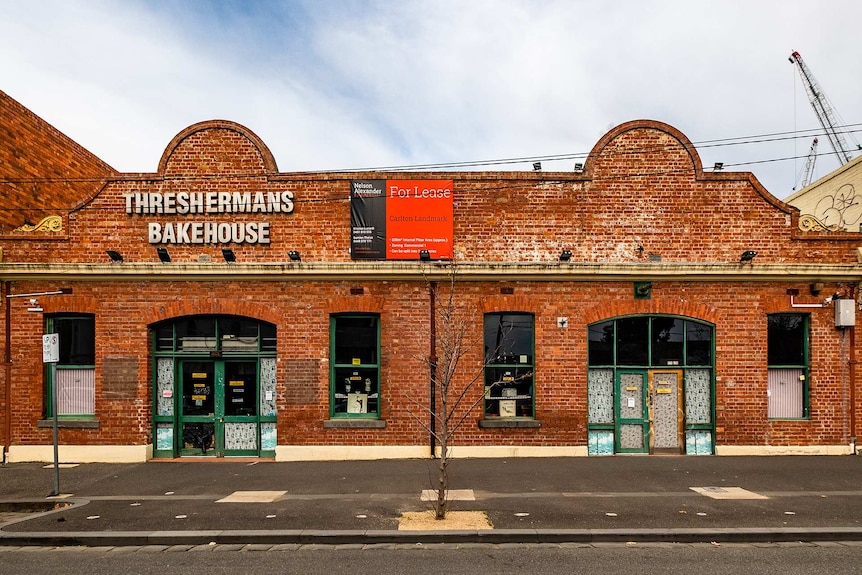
[{"x": 620, "y": 308}]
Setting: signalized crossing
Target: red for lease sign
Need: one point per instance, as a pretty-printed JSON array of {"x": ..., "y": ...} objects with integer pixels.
[{"x": 396, "y": 219}]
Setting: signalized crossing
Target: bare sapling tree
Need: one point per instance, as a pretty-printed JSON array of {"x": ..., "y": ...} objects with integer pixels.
[{"x": 453, "y": 398}]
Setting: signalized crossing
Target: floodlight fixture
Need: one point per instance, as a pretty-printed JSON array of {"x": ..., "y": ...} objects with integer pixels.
[{"x": 747, "y": 256}]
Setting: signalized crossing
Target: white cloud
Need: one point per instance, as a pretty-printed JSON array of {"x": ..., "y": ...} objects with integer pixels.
[{"x": 337, "y": 85}]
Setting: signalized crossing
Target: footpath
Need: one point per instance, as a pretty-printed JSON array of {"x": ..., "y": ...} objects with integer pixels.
[{"x": 525, "y": 500}]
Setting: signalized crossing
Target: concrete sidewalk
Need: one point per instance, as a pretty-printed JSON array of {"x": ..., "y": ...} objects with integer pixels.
[{"x": 527, "y": 500}]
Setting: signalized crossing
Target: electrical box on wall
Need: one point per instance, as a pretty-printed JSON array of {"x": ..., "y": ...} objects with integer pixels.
[{"x": 845, "y": 312}]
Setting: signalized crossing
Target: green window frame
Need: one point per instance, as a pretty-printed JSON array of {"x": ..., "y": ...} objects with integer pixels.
[
  {"x": 509, "y": 374},
  {"x": 225, "y": 341},
  {"x": 645, "y": 343},
  {"x": 354, "y": 388},
  {"x": 788, "y": 366},
  {"x": 225, "y": 334},
  {"x": 655, "y": 341},
  {"x": 74, "y": 385}
]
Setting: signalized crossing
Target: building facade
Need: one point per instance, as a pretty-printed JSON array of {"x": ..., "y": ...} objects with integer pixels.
[{"x": 218, "y": 307}]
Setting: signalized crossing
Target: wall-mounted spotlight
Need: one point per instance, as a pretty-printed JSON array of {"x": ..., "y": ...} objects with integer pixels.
[
  {"x": 424, "y": 256},
  {"x": 116, "y": 257},
  {"x": 294, "y": 256},
  {"x": 228, "y": 255},
  {"x": 164, "y": 256},
  {"x": 537, "y": 166},
  {"x": 565, "y": 255},
  {"x": 747, "y": 256},
  {"x": 718, "y": 167},
  {"x": 579, "y": 167}
]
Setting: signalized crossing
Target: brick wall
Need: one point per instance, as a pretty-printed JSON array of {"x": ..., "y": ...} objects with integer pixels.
[
  {"x": 643, "y": 193},
  {"x": 303, "y": 344},
  {"x": 43, "y": 171}
]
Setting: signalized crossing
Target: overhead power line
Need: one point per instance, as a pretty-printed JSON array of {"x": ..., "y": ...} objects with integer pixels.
[{"x": 580, "y": 156}]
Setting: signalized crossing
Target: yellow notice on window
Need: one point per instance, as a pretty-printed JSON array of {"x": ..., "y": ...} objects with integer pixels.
[
  {"x": 198, "y": 375},
  {"x": 199, "y": 398},
  {"x": 236, "y": 383},
  {"x": 200, "y": 385},
  {"x": 357, "y": 361}
]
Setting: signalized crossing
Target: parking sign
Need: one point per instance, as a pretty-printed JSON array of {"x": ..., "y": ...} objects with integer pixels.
[{"x": 51, "y": 348}]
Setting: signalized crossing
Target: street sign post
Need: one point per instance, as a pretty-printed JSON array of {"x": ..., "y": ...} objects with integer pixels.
[{"x": 51, "y": 355}]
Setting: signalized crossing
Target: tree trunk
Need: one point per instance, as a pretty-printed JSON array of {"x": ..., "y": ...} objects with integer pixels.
[{"x": 442, "y": 487}]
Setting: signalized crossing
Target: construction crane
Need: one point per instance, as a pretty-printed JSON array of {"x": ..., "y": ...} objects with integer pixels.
[
  {"x": 826, "y": 114},
  {"x": 808, "y": 170}
]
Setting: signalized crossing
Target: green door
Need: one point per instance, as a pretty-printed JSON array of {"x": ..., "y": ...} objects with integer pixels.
[
  {"x": 219, "y": 408},
  {"x": 632, "y": 415}
]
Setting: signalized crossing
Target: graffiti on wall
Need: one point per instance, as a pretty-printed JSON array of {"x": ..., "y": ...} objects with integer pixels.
[{"x": 837, "y": 211}]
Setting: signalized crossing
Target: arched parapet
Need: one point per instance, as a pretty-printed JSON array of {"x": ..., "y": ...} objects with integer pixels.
[
  {"x": 216, "y": 147},
  {"x": 649, "y": 148},
  {"x": 642, "y": 146}
]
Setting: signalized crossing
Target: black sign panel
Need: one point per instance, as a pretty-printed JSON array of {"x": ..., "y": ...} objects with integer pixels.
[{"x": 368, "y": 219}]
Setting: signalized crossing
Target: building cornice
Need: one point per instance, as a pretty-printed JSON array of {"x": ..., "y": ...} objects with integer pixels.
[{"x": 433, "y": 271}]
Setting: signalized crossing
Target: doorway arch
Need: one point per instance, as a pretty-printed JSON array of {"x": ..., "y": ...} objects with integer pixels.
[
  {"x": 214, "y": 379},
  {"x": 651, "y": 385}
]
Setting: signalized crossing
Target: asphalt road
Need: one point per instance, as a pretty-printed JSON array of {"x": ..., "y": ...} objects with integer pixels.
[
  {"x": 522, "y": 497},
  {"x": 665, "y": 559}
]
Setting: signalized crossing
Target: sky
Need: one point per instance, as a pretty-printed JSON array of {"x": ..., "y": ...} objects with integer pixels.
[{"x": 334, "y": 85}]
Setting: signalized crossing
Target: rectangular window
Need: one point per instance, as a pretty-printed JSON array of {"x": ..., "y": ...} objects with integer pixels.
[
  {"x": 633, "y": 341},
  {"x": 787, "y": 359},
  {"x": 509, "y": 348},
  {"x": 667, "y": 341},
  {"x": 698, "y": 344},
  {"x": 355, "y": 376},
  {"x": 601, "y": 343},
  {"x": 75, "y": 381}
]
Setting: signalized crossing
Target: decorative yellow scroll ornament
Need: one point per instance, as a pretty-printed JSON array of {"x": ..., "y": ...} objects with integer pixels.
[
  {"x": 808, "y": 223},
  {"x": 49, "y": 224}
]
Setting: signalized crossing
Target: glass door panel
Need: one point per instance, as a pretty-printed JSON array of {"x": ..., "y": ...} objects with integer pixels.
[
  {"x": 198, "y": 408},
  {"x": 219, "y": 408},
  {"x": 632, "y": 415},
  {"x": 240, "y": 400},
  {"x": 666, "y": 412}
]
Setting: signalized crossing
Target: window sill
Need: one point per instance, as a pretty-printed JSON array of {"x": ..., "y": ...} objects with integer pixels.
[
  {"x": 348, "y": 423},
  {"x": 69, "y": 423},
  {"x": 509, "y": 423}
]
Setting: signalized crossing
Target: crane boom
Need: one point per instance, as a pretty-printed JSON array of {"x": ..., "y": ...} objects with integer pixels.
[
  {"x": 808, "y": 170},
  {"x": 823, "y": 109}
]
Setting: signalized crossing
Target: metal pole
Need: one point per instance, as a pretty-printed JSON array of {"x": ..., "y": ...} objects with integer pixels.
[
  {"x": 7, "y": 380},
  {"x": 54, "y": 403},
  {"x": 432, "y": 357}
]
